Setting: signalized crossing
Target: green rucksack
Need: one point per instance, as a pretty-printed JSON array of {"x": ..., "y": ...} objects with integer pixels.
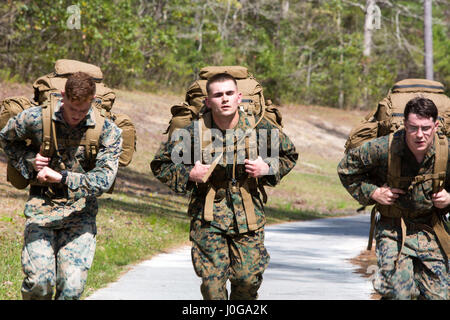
[{"x": 47, "y": 90}]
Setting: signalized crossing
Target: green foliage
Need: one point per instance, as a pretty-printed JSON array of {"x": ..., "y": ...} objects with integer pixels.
[
  {"x": 441, "y": 47},
  {"x": 307, "y": 52}
]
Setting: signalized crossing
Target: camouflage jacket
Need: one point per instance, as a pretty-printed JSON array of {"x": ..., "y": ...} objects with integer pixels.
[
  {"x": 83, "y": 185},
  {"x": 225, "y": 215},
  {"x": 365, "y": 168}
]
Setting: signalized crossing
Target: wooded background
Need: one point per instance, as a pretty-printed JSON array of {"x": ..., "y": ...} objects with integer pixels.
[{"x": 308, "y": 52}]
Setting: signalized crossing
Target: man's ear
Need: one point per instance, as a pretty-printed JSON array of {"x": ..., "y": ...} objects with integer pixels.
[
  {"x": 207, "y": 103},
  {"x": 436, "y": 125},
  {"x": 239, "y": 97}
]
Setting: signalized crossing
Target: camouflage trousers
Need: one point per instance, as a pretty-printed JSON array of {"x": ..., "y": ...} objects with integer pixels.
[
  {"x": 421, "y": 271},
  {"x": 218, "y": 257},
  {"x": 57, "y": 258}
]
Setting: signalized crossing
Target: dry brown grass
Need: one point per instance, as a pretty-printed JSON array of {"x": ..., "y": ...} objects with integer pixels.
[{"x": 365, "y": 260}]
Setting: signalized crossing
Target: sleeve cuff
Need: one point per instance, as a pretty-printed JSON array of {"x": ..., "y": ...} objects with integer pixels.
[
  {"x": 28, "y": 161},
  {"x": 73, "y": 180},
  {"x": 368, "y": 190}
]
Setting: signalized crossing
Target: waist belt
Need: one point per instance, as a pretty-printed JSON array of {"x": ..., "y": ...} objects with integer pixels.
[
  {"x": 435, "y": 226},
  {"x": 233, "y": 186},
  {"x": 53, "y": 192},
  {"x": 412, "y": 226}
]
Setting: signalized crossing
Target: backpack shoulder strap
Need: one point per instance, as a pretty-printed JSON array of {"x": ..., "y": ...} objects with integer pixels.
[
  {"x": 93, "y": 134},
  {"x": 394, "y": 162},
  {"x": 47, "y": 147},
  {"x": 205, "y": 124},
  {"x": 441, "y": 159},
  {"x": 49, "y": 140},
  {"x": 204, "y": 129},
  {"x": 394, "y": 174}
]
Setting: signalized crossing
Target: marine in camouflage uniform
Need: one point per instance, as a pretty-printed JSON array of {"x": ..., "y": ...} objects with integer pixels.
[
  {"x": 421, "y": 270},
  {"x": 60, "y": 230},
  {"x": 226, "y": 247}
]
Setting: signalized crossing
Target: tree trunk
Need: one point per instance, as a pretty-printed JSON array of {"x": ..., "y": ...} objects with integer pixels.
[
  {"x": 308, "y": 76},
  {"x": 284, "y": 9},
  {"x": 341, "y": 62},
  {"x": 368, "y": 28},
  {"x": 372, "y": 22},
  {"x": 428, "y": 39}
]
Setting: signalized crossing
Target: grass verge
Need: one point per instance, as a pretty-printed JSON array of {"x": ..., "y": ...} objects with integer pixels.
[{"x": 140, "y": 219}]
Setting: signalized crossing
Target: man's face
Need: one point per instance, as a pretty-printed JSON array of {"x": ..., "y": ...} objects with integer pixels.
[
  {"x": 75, "y": 111},
  {"x": 419, "y": 133},
  {"x": 223, "y": 99}
]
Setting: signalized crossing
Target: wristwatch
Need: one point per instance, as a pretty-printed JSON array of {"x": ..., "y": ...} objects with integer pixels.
[{"x": 64, "y": 176}]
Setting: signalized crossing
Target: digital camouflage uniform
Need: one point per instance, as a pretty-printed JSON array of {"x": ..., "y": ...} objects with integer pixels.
[
  {"x": 59, "y": 237},
  {"x": 422, "y": 269},
  {"x": 225, "y": 248}
]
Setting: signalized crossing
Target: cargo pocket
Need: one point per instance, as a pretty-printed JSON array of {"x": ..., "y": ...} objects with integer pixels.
[{"x": 37, "y": 206}]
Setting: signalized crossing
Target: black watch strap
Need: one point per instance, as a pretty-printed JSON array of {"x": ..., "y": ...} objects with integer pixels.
[{"x": 64, "y": 176}]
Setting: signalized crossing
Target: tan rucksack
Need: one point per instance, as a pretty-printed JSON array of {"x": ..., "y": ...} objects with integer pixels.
[
  {"x": 253, "y": 105},
  {"x": 387, "y": 119},
  {"x": 9, "y": 108},
  {"x": 253, "y": 101},
  {"x": 47, "y": 91},
  {"x": 388, "y": 116},
  {"x": 54, "y": 82},
  {"x": 12, "y": 106}
]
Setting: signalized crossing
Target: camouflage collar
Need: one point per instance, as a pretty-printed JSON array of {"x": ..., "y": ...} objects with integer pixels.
[
  {"x": 431, "y": 152},
  {"x": 88, "y": 121},
  {"x": 242, "y": 123}
]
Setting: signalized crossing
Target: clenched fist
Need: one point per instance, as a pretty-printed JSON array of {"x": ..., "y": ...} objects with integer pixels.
[
  {"x": 47, "y": 174},
  {"x": 198, "y": 172},
  {"x": 40, "y": 162},
  {"x": 256, "y": 168},
  {"x": 386, "y": 195},
  {"x": 441, "y": 199}
]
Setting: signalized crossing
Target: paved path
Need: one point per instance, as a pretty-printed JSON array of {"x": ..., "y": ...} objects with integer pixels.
[{"x": 309, "y": 260}]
